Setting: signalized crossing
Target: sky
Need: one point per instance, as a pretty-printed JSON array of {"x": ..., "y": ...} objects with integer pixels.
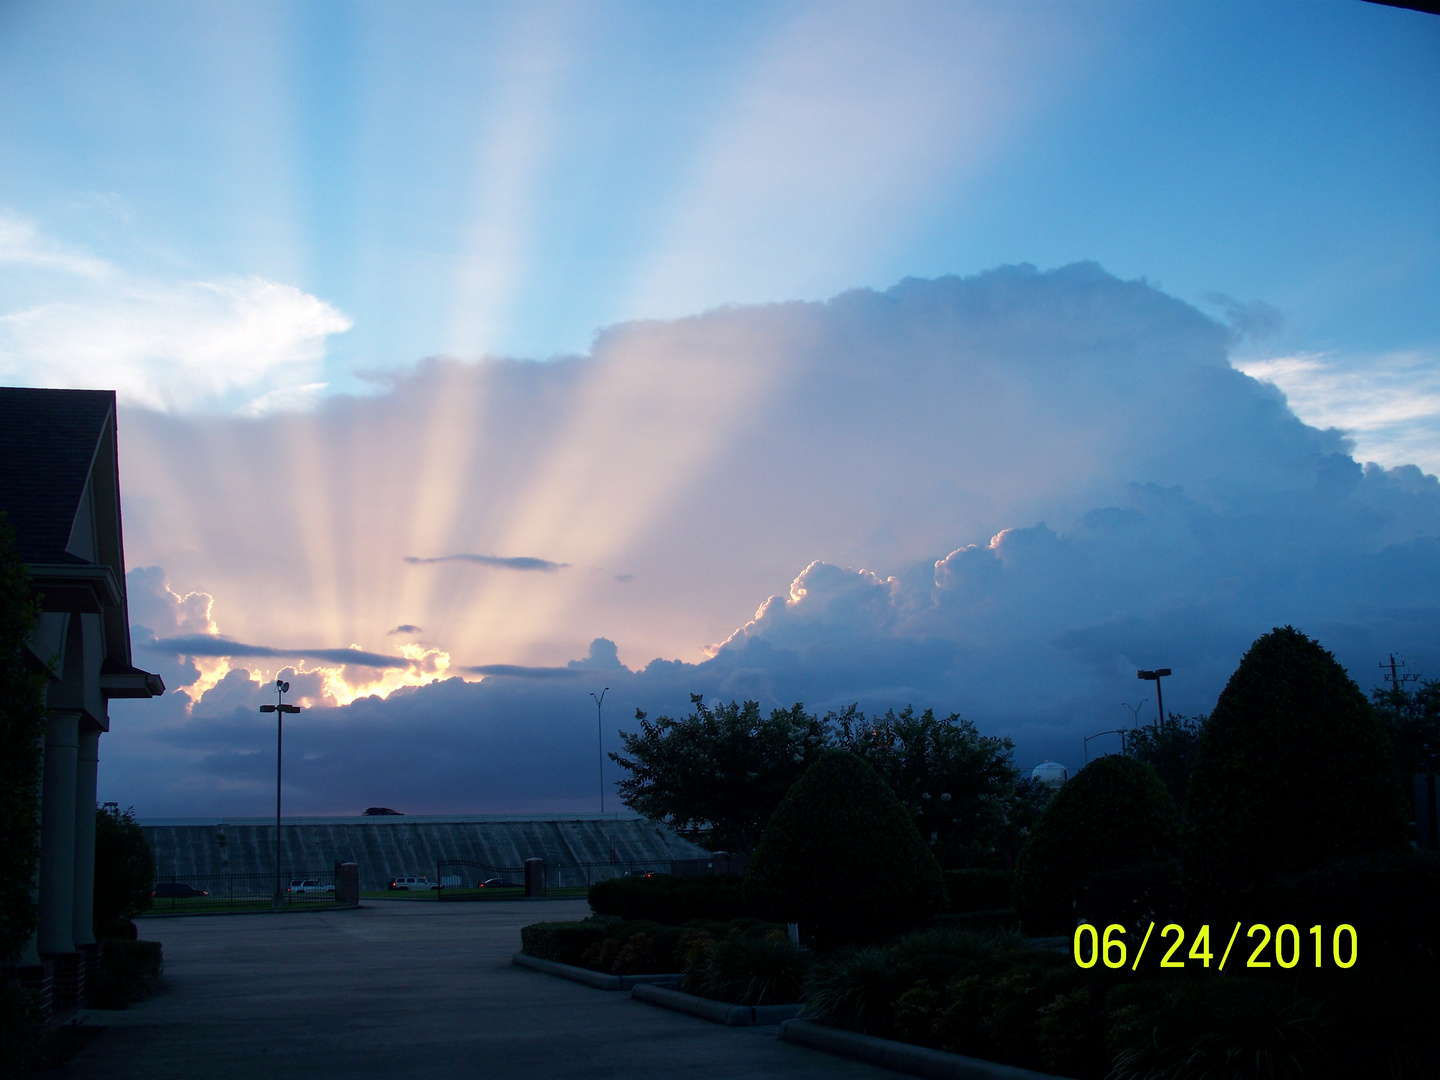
[{"x": 472, "y": 359}]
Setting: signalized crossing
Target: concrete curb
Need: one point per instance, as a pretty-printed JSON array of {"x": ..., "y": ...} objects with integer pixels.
[
  {"x": 598, "y": 979},
  {"x": 322, "y": 908},
  {"x": 902, "y": 1057},
  {"x": 719, "y": 1012}
]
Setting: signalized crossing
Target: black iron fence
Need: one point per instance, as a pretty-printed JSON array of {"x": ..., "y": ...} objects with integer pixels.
[
  {"x": 239, "y": 892},
  {"x": 465, "y": 879}
]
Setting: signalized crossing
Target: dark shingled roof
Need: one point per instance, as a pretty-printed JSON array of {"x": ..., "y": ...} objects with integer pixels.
[{"x": 48, "y": 439}]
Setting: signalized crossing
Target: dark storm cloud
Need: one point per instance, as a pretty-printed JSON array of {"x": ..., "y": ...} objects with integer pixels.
[
  {"x": 205, "y": 645},
  {"x": 520, "y": 671},
  {"x": 405, "y": 628},
  {"x": 515, "y": 562}
]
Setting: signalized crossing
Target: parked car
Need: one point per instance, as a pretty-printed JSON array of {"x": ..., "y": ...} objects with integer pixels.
[
  {"x": 499, "y": 883},
  {"x": 404, "y": 883},
  {"x": 176, "y": 890},
  {"x": 309, "y": 885}
]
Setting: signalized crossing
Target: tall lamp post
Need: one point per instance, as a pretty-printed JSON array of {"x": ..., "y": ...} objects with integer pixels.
[
  {"x": 1155, "y": 677},
  {"x": 279, "y": 709},
  {"x": 600, "y": 742}
]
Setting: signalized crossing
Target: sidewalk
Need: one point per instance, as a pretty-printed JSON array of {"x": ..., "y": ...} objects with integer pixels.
[{"x": 406, "y": 989}]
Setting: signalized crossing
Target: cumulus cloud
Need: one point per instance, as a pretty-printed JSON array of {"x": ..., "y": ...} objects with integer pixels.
[
  {"x": 237, "y": 342},
  {"x": 997, "y": 495}
]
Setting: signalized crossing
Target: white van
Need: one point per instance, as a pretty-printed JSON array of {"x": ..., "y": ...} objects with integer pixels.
[{"x": 412, "y": 883}]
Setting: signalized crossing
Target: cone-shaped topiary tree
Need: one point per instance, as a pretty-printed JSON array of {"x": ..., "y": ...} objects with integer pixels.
[
  {"x": 841, "y": 857},
  {"x": 1115, "y": 813},
  {"x": 1292, "y": 773}
]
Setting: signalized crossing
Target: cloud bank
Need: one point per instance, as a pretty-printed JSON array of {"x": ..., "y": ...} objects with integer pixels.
[{"x": 997, "y": 495}]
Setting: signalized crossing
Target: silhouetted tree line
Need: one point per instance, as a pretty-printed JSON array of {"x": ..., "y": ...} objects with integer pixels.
[{"x": 723, "y": 770}]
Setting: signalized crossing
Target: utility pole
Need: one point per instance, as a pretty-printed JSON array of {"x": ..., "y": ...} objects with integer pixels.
[
  {"x": 1397, "y": 682},
  {"x": 1155, "y": 677},
  {"x": 279, "y": 709},
  {"x": 600, "y": 742}
]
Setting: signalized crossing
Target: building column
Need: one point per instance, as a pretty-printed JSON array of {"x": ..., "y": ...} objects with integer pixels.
[
  {"x": 87, "y": 765},
  {"x": 57, "y": 834},
  {"x": 83, "y": 925}
]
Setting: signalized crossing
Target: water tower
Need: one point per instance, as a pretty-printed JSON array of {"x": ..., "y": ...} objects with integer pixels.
[{"x": 1050, "y": 773}]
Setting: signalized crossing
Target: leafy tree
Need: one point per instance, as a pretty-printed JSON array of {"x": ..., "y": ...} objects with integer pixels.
[
  {"x": 1114, "y": 814},
  {"x": 22, "y": 730},
  {"x": 1169, "y": 748},
  {"x": 842, "y": 857},
  {"x": 1293, "y": 773},
  {"x": 1412, "y": 721},
  {"x": 124, "y": 871},
  {"x": 723, "y": 769},
  {"x": 958, "y": 786}
]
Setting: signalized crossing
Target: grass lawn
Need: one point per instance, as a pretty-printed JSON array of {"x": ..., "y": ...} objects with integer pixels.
[
  {"x": 209, "y": 905},
  {"x": 478, "y": 895}
]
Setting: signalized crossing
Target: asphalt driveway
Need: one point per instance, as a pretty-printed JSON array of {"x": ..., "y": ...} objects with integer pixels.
[{"x": 406, "y": 989}]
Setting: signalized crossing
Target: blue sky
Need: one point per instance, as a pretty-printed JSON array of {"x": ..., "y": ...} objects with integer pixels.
[
  {"x": 509, "y": 282},
  {"x": 508, "y": 179}
]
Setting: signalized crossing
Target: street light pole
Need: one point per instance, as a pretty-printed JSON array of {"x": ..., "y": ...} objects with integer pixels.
[
  {"x": 1155, "y": 677},
  {"x": 600, "y": 742},
  {"x": 279, "y": 709}
]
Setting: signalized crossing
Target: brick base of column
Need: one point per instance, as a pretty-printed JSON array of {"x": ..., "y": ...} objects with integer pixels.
[
  {"x": 90, "y": 968},
  {"x": 69, "y": 976}
]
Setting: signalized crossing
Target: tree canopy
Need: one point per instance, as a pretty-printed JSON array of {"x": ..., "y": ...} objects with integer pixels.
[
  {"x": 724, "y": 769},
  {"x": 957, "y": 785},
  {"x": 1169, "y": 748}
]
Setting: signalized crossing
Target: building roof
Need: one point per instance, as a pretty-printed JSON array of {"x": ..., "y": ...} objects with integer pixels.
[
  {"x": 49, "y": 440},
  {"x": 54, "y": 446}
]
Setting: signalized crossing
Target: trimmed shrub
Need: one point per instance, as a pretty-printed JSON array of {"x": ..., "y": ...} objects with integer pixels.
[
  {"x": 861, "y": 989},
  {"x": 994, "y": 919},
  {"x": 124, "y": 872},
  {"x": 1390, "y": 899},
  {"x": 1223, "y": 1027},
  {"x": 1115, "y": 813},
  {"x": 668, "y": 899},
  {"x": 978, "y": 890},
  {"x": 22, "y": 1031},
  {"x": 1292, "y": 774},
  {"x": 842, "y": 858},
  {"x": 129, "y": 972},
  {"x": 749, "y": 969},
  {"x": 563, "y": 942}
]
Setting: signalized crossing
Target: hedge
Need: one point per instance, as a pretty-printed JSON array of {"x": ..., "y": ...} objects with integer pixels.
[
  {"x": 978, "y": 890},
  {"x": 668, "y": 899},
  {"x": 129, "y": 972},
  {"x": 563, "y": 942}
]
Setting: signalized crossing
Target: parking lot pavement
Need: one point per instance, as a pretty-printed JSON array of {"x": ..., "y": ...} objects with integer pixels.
[{"x": 398, "y": 988}]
